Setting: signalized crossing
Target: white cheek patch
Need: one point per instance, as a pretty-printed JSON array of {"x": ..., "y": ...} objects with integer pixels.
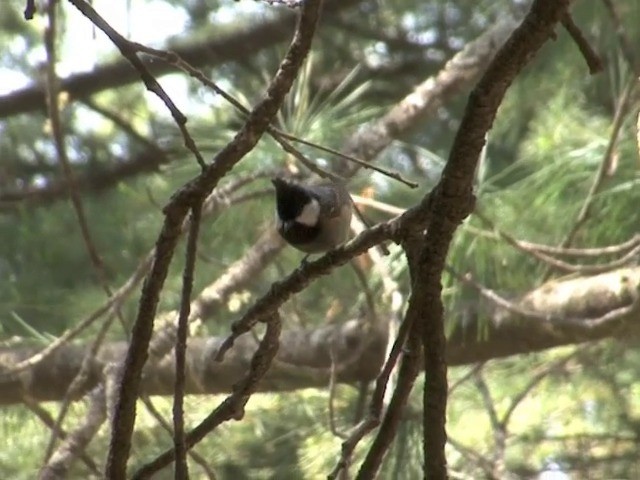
[{"x": 310, "y": 214}]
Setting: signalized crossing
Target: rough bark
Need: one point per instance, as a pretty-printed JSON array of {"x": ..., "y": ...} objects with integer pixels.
[{"x": 558, "y": 313}]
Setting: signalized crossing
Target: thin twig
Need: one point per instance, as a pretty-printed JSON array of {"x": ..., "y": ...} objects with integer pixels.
[
  {"x": 181, "y": 468},
  {"x": 409, "y": 369},
  {"x": 61, "y": 152},
  {"x": 377, "y": 205},
  {"x": 199, "y": 459},
  {"x": 584, "y": 269},
  {"x": 233, "y": 406},
  {"x": 175, "y": 213},
  {"x": 360, "y": 216},
  {"x": 128, "y": 50},
  {"x": 361, "y": 403},
  {"x": 332, "y": 394},
  {"x": 549, "y": 320},
  {"x": 535, "y": 379},
  {"x": 46, "y": 418},
  {"x": 125, "y": 126},
  {"x": 472, "y": 371},
  {"x": 77, "y": 440},
  {"x": 618, "y": 121},
  {"x": 377, "y": 401},
  {"x": 80, "y": 381},
  {"x": 110, "y": 306},
  {"x": 498, "y": 428},
  {"x": 495, "y": 298},
  {"x": 94, "y": 256},
  {"x": 277, "y": 134},
  {"x": 496, "y": 234},
  {"x": 366, "y": 288},
  {"x": 472, "y": 456},
  {"x": 388, "y": 173},
  {"x": 594, "y": 62}
]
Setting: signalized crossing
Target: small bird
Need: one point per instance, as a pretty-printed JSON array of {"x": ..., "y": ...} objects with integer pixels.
[{"x": 312, "y": 218}]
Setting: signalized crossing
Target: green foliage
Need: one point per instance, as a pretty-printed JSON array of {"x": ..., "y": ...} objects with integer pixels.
[{"x": 542, "y": 157}]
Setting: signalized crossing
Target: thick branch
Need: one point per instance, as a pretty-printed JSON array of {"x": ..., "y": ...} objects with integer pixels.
[
  {"x": 458, "y": 74},
  {"x": 559, "y": 313},
  {"x": 212, "y": 51},
  {"x": 451, "y": 201}
]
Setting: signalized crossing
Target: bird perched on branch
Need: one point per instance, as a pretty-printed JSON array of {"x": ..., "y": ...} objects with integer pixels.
[{"x": 312, "y": 218}]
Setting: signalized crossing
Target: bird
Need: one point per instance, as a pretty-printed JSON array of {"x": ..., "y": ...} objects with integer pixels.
[{"x": 312, "y": 218}]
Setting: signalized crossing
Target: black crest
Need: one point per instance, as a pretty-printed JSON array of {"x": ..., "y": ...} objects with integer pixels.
[{"x": 290, "y": 198}]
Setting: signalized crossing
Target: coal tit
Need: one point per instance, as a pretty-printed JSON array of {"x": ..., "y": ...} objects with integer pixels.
[{"x": 312, "y": 218}]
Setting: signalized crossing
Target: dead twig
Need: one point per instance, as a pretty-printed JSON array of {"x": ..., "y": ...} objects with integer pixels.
[
  {"x": 377, "y": 401},
  {"x": 584, "y": 269},
  {"x": 94, "y": 256}
]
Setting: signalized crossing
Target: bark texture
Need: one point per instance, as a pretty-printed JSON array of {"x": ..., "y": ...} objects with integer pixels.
[{"x": 560, "y": 312}]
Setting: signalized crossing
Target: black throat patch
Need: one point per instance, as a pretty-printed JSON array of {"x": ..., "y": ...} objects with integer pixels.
[
  {"x": 297, "y": 233},
  {"x": 290, "y": 201}
]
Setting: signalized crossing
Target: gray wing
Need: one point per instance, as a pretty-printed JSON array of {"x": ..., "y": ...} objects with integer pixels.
[{"x": 334, "y": 199}]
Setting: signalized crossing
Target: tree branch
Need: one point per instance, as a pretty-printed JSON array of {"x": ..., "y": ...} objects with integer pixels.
[
  {"x": 451, "y": 202},
  {"x": 563, "y": 313},
  {"x": 93, "y": 181},
  {"x": 175, "y": 212},
  {"x": 211, "y": 51}
]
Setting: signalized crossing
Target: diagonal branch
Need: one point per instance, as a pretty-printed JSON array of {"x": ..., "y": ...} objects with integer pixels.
[
  {"x": 233, "y": 406},
  {"x": 458, "y": 74},
  {"x": 211, "y": 51},
  {"x": 175, "y": 212},
  {"x": 129, "y": 50},
  {"x": 300, "y": 278}
]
